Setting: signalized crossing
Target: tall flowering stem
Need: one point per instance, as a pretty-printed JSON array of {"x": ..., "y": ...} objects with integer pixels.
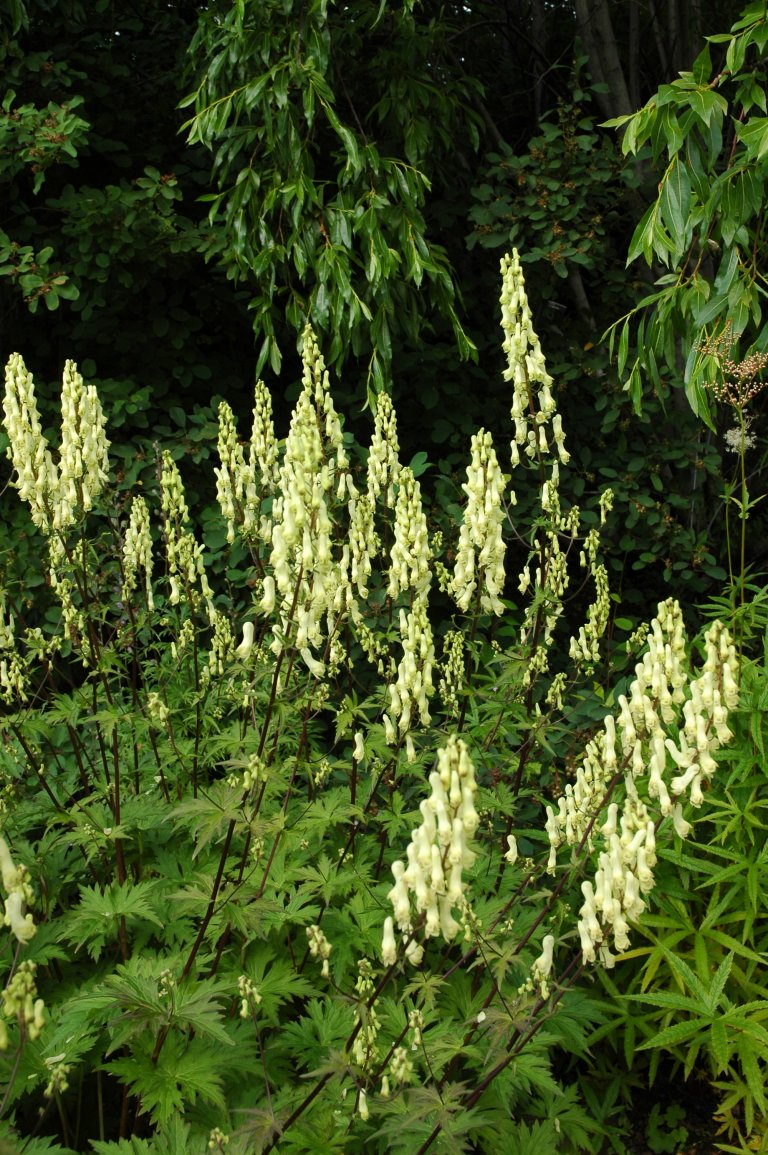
[
  {"x": 736, "y": 385},
  {"x": 537, "y": 426}
]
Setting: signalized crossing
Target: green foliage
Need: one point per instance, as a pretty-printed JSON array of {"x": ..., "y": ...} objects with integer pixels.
[
  {"x": 558, "y": 200},
  {"x": 348, "y": 114},
  {"x": 704, "y": 137},
  {"x": 697, "y": 992},
  {"x": 98, "y": 220}
]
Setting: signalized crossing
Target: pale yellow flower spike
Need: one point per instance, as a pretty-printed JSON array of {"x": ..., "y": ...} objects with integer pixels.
[
  {"x": 480, "y": 556},
  {"x": 636, "y": 737},
  {"x": 439, "y": 852}
]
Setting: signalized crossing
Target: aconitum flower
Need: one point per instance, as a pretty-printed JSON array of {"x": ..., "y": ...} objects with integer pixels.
[
  {"x": 84, "y": 465},
  {"x": 383, "y": 463},
  {"x": 409, "y": 695},
  {"x": 243, "y": 651},
  {"x": 56, "y": 494},
  {"x": 319, "y": 947},
  {"x": 37, "y": 478},
  {"x": 410, "y": 557},
  {"x": 542, "y": 967},
  {"x": 480, "y": 556},
  {"x": 635, "y": 746},
  {"x": 533, "y": 405},
  {"x": 186, "y": 571},
  {"x": 137, "y": 551},
  {"x": 586, "y": 646},
  {"x": 357, "y": 555},
  {"x": 19, "y": 1000},
  {"x": 439, "y": 852},
  {"x": 241, "y": 485},
  {"x": 232, "y": 477},
  {"x": 263, "y": 448},
  {"x": 705, "y": 714},
  {"x": 18, "y": 895},
  {"x": 12, "y": 668},
  {"x": 314, "y": 469}
]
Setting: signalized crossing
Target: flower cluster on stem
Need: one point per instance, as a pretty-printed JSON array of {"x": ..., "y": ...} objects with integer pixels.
[
  {"x": 410, "y": 556},
  {"x": 534, "y": 410},
  {"x": 185, "y": 555},
  {"x": 635, "y": 748},
  {"x": 480, "y": 556},
  {"x": 137, "y": 552},
  {"x": 438, "y": 854},
  {"x": 56, "y": 494},
  {"x": 20, "y": 1002},
  {"x": 314, "y": 467},
  {"x": 18, "y": 895},
  {"x": 383, "y": 463}
]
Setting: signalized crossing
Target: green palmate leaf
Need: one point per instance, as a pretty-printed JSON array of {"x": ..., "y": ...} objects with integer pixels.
[
  {"x": 11, "y": 1143},
  {"x": 209, "y": 815},
  {"x": 183, "y": 1074},
  {"x": 98, "y": 917},
  {"x": 133, "y": 1146},
  {"x": 195, "y": 1005}
]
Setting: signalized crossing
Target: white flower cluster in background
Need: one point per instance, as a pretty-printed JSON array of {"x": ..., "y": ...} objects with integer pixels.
[
  {"x": 539, "y": 436},
  {"x": 83, "y": 463},
  {"x": 232, "y": 476},
  {"x": 534, "y": 410},
  {"x": 137, "y": 552},
  {"x": 319, "y": 947},
  {"x": 56, "y": 494},
  {"x": 186, "y": 572},
  {"x": 12, "y": 671},
  {"x": 409, "y": 695},
  {"x": 438, "y": 854},
  {"x": 241, "y": 485},
  {"x": 357, "y": 555},
  {"x": 263, "y": 452},
  {"x": 452, "y": 679},
  {"x": 585, "y": 647},
  {"x": 410, "y": 556},
  {"x": 365, "y": 1051},
  {"x": 383, "y": 462}
]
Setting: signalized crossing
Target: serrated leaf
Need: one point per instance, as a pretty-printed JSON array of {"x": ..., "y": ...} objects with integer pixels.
[
  {"x": 667, "y": 1000},
  {"x": 678, "y": 1033},
  {"x": 195, "y": 1007},
  {"x": 182, "y": 1073},
  {"x": 132, "y": 1146},
  {"x": 720, "y": 978},
  {"x": 98, "y": 917}
]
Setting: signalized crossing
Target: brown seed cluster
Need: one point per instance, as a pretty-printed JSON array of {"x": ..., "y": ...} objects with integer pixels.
[{"x": 741, "y": 380}]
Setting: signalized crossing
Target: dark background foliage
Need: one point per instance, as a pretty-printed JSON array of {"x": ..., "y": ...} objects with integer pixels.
[{"x": 363, "y": 166}]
